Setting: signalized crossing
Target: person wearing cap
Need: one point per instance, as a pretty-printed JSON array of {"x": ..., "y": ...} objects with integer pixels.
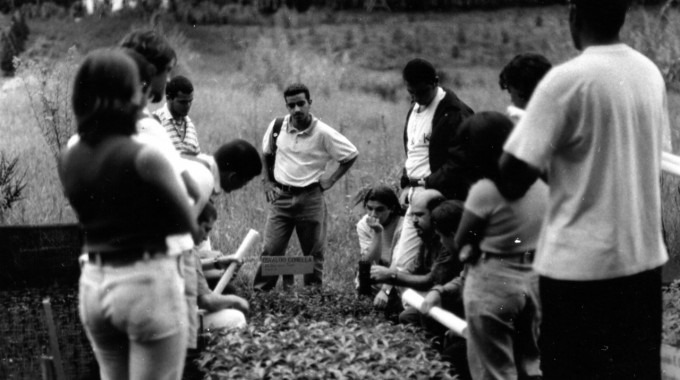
[
  {"x": 296, "y": 181},
  {"x": 595, "y": 129},
  {"x": 434, "y": 146}
]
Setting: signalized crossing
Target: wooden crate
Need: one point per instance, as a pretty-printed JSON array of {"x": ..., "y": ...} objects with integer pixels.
[{"x": 39, "y": 255}]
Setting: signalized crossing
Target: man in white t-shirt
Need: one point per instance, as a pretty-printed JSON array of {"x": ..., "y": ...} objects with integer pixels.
[
  {"x": 594, "y": 130},
  {"x": 296, "y": 182}
]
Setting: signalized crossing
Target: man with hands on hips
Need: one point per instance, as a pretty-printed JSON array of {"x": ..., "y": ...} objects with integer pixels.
[{"x": 296, "y": 150}]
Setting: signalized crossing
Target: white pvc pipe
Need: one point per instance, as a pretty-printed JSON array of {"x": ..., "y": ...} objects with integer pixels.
[
  {"x": 249, "y": 241},
  {"x": 449, "y": 320},
  {"x": 670, "y": 163}
]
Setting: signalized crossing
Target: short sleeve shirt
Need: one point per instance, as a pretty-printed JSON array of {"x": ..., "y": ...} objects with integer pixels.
[
  {"x": 366, "y": 234},
  {"x": 596, "y": 125},
  {"x": 419, "y": 133},
  {"x": 182, "y": 132},
  {"x": 511, "y": 227},
  {"x": 301, "y": 156}
]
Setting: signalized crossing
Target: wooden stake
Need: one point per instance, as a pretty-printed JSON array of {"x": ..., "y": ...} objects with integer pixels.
[{"x": 54, "y": 344}]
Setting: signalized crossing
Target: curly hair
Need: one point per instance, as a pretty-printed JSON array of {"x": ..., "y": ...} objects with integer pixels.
[
  {"x": 152, "y": 46},
  {"x": 178, "y": 84},
  {"x": 239, "y": 156},
  {"x": 523, "y": 73},
  {"x": 446, "y": 217}
]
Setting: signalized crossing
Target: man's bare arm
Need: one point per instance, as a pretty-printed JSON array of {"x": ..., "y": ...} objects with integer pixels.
[
  {"x": 516, "y": 176},
  {"x": 327, "y": 183}
]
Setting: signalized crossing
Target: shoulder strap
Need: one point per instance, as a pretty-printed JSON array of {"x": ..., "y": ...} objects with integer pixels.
[
  {"x": 271, "y": 157},
  {"x": 278, "y": 123}
]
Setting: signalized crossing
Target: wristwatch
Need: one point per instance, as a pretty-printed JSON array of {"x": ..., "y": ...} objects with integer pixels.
[{"x": 393, "y": 278}]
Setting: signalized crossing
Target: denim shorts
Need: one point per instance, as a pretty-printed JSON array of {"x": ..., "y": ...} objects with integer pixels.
[{"x": 144, "y": 300}]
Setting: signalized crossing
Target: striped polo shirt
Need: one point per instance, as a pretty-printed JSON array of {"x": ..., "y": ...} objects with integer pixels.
[{"x": 182, "y": 131}]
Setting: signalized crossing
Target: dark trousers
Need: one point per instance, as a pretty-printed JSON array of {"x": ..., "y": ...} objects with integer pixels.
[{"x": 606, "y": 329}]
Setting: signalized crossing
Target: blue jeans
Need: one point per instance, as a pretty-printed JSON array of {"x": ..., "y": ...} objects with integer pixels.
[
  {"x": 135, "y": 317},
  {"x": 304, "y": 212},
  {"x": 603, "y": 329},
  {"x": 503, "y": 312}
]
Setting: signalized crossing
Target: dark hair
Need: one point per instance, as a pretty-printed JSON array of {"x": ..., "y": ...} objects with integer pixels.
[
  {"x": 523, "y": 73},
  {"x": 152, "y": 46},
  {"x": 296, "y": 88},
  {"x": 102, "y": 95},
  {"x": 446, "y": 217},
  {"x": 435, "y": 201},
  {"x": 240, "y": 157},
  {"x": 145, "y": 69},
  {"x": 604, "y": 18},
  {"x": 418, "y": 71},
  {"x": 487, "y": 132},
  {"x": 178, "y": 84},
  {"x": 385, "y": 195},
  {"x": 208, "y": 213}
]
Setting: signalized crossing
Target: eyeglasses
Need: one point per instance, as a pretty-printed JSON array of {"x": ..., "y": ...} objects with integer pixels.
[{"x": 299, "y": 103}]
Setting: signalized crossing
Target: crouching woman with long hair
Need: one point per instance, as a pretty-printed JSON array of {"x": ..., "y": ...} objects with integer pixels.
[{"x": 128, "y": 200}]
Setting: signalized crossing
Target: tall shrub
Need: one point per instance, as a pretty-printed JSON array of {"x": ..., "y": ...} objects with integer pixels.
[
  {"x": 48, "y": 86},
  {"x": 13, "y": 42},
  {"x": 12, "y": 183}
]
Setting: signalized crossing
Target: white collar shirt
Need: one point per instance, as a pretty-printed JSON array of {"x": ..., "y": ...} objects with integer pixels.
[
  {"x": 302, "y": 156},
  {"x": 419, "y": 132}
]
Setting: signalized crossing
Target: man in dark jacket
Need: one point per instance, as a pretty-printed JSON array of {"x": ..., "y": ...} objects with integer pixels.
[{"x": 435, "y": 157}]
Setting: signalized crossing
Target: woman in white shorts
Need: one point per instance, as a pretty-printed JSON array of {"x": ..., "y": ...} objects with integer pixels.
[{"x": 128, "y": 201}]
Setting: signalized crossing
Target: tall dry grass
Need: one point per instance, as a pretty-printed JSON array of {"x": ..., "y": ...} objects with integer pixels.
[{"x": 352, "y": 70}]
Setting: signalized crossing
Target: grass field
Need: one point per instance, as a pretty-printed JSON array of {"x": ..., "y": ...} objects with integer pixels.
[{"x": 351, "y": 61}]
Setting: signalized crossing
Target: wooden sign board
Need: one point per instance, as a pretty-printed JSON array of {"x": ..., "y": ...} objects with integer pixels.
[
  {"x": 670, "y": 362},
  {"x": 280, "y": 265}
]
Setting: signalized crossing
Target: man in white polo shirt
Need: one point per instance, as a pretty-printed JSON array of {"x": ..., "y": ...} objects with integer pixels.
[
  {"x": 594, "y": 130},
  {"x": 295, "y": 160}
]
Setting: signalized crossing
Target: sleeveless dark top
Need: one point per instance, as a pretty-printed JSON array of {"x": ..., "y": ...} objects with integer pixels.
[{"x": 117, "y": 209}]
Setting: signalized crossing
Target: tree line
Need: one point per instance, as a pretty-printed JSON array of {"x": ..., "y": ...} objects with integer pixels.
[{"x": 270, "y": 6}]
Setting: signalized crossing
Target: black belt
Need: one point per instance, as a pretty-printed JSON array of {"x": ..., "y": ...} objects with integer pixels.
[
  {"x": 415, "y": 182},
  {"x": 526, "y": 257},
  {"x": 296, "y": 189},
  {"x": 118, "y": 258}
]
